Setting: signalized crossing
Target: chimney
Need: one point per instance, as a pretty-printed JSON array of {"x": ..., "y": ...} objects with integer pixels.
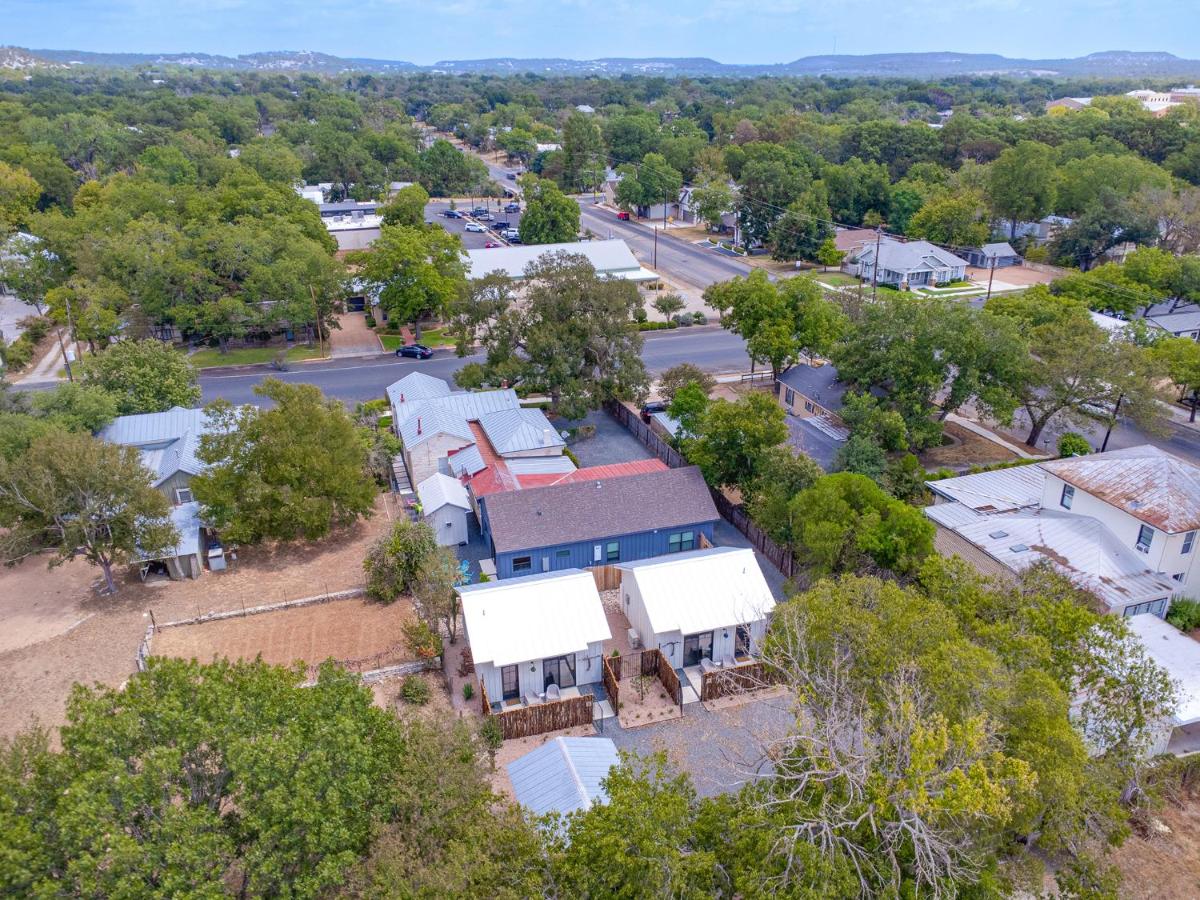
[{"x": 418, "y": 424}]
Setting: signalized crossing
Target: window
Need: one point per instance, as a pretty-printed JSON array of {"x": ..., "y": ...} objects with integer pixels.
[
  {"x": 562, "y": 554},
  {"x": 1189, "y": 540},
  {"x": 808, "y": 407},
  {"x": 612, "y": 551},
  {"x": 1156, "y": 607},
  {"x": 1145, "y": 537},
  {"x": 522, "y": 563},
  {"x": 697, "y": 647},
  {"x": 789, "y": 397},
  {"x": 1178, "y": 576},
  {"x": 183, "y": 495},
  {"x": 681, "y": 540},
  {"x": 558, "y": 670},
  {"x": 509, "y": 686},
  {"x": 1068, "y": 496}
]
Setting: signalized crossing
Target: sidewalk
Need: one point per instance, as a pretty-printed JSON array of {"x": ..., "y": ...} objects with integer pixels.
[{"x": 985, "y": 433}]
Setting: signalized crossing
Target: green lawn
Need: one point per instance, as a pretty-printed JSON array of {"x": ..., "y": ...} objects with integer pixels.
[
  {"x": 247, "y": 356},
  {"x": 430, "y": 337},
  {"x": 834, "y": 277}
]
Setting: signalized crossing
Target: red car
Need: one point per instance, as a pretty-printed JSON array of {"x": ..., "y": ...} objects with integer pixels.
[
  {"x": 623, "y": 216},
  {"x": 490, "y": 244}
]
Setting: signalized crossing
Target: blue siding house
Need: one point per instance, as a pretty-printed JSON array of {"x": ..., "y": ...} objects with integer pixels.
[{"x": 590, "y": 523}]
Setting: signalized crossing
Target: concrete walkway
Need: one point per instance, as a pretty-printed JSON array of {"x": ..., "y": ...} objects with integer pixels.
[
  {"x": 354, "y": 338},
  {"x": 993, "y": 437},
  {"x": 47, "y": 368}
]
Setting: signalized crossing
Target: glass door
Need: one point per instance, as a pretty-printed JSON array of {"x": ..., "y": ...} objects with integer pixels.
[
  {"x": 697, "y": 647},
  {"x": 508, "y": 683},
  {"x": 558, "y": 670}
]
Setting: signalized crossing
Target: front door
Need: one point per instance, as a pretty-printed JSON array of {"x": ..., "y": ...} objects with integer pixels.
[
  {"x": 697, "y": 647},
  {"x": 558, "y": 670},
  {"x": 741, "y": 645},
  {"x": 509, "y": 685}
]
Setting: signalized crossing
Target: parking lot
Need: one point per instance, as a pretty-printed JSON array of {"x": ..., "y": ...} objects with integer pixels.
[{"x": 473, "y": 240}]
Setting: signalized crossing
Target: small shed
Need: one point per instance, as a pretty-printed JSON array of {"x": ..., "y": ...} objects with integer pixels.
[
  {"x": 564, "y": 775},
  {"x": 999, "y": 255},
  {"x": 707, "y": 604},
  {"x": 445, "y": 506}
]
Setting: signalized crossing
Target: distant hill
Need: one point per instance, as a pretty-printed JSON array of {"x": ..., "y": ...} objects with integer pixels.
[
  {"x": 1109, "y": 64},
  {"x": 17, "y": 59}
]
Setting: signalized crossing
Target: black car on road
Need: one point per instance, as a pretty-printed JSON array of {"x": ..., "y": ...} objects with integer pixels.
[
  {"x": 415, "y": 351},
  {"x": 452, "y": 214}
]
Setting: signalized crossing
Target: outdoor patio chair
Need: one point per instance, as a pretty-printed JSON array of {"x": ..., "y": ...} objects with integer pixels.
[
  {"x": 552, "y": 692},
  {"x": 707, "y": 665}
]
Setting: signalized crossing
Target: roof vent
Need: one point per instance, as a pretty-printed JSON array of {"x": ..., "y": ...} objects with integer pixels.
[
  {"x": 1018, "y": 548},
  {"x": 996, "y": 535}
]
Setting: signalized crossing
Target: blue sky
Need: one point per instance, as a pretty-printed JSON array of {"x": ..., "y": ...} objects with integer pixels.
[{"x": 727, "y": 30}]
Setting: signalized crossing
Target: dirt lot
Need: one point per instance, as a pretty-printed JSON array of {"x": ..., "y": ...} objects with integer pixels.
[
  {"x": 968, "y": 449},
  {"x": 1164, "y": 866},
  {"x": 350, "y": 631},
  {"x": 44, "y": 655},
  {"x": 1009, "y": 275}
]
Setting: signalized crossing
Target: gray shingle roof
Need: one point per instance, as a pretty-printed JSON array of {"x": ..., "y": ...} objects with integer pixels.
[
  {"x": 589, "y": 510},
  {"x": 514, "y": 430},
  {"x": 819, "y": 383}
]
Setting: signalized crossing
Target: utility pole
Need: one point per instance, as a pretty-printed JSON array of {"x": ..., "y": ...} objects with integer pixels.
[
  {"x": 655, "y": 247},
  {"x": 1112, "y": 423},
  {"x": 875, "y": 262},
  {"x": 991, "y": 275}
]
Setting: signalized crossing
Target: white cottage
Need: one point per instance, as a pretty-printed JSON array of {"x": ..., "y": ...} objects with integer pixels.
[
  {"x": 535, "y": 634},
  {"x": 711, "y": 604},
  {"x": 445, "y": 507}
]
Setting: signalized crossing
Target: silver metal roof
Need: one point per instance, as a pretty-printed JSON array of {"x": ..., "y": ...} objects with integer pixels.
[
  {"x": 995, "y": 491},
  {"x": 168, "y": 440},
  {"x": 607, "y": 257},
  {"x": 563, "y": 775},
  {"x": 515, "y": 430}
]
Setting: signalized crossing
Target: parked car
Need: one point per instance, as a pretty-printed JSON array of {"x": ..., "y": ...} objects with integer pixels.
[
  {"x": 479, "y": 211},
  {"x": 452, "y": 214},
  {"x": 511, "y": 234},
  {"x": 492, "y": 244},
  {"x": 650, "y": 407},
  {"x": 623, "y": 216},
  {"x": 474, "y": 228},
  {"x": 511, "y": 176},
  {"x": 484, "y": 217},
  {"x": 512, "y": 208},
  {"x": 415, "y": 351},
  {"x": 502, "y": 225}
]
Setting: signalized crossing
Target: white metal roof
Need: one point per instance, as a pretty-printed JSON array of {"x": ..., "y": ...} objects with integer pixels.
[
  {"x": 440, "y": 490},
  {"x": 168, "y": 440},
  {"x": 467, "y": 461},
  {"x": 1178, "y": 654},
  {"x": 702, "y": 590},
  {"x": 515, "y": 430},
  {"x": 186, "y": 519},
  {"x": 521, "y": 619},
  {"x": 995, "y": 491},
  {"x": 416, "y": 386},
  {"x": 563, "y": 775},
  {"x": 540, "y": 465},
  {"x": 1079, "y": 546},
  {"x": 607, "y": 257}
]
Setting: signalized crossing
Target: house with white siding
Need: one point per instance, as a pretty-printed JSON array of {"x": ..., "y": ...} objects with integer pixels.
[
  {"x": 705, "y": 608},
  {"x": 905, "y": 264},
  {"x": 536, "y": 638},
  {"x": 1120, "y": 524}
]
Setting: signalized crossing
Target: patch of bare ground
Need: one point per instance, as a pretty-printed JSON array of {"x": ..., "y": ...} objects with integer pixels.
[
  {"x": 1163, "y": 865},
  {"x": 389, "y": 695},
  {"x": 53, "y": 649},
  {"x": 966, "y": 449}
]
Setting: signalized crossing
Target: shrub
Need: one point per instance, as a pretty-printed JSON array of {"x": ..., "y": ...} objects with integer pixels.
[
  {"x": 1185, "y": 614},
  {"x": 683, "y": 320},
  {"x": 639, "y": 314},
  {"x": 572, "y": 457},
  {"x": 423, "y": 641},
  {"x": 484, "y": 576},
  {"x": 1072, "y": 443},
  {"x": 414, "y": 690},
  {"x": 17, "y": 355},
  {"x": 699, "y": 318},
  {"x": 371, "y": 323},
  {"x": 468, "y": 691},
  {"x": 36, "y": 328}
]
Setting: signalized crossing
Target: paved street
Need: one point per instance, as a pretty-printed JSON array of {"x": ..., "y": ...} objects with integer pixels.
[{"x": 714, "y": 350}]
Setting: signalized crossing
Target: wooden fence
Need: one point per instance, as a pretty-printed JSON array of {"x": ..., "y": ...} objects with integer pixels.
[
  {"x": 611, "y": 681},
  {"x": 608, "y": 578},
  {"x": 780, "y": 557},
  {"x": 666, "y": 674},
  {"x": 748, "y": 676},
  {"x": 526, "y": 721}
]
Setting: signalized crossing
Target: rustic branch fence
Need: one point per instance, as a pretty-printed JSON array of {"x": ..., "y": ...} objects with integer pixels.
[
  {"x": 780, "y": 557},
  {"x": 748, "y": 676},
  {"x": 611, "y": 681},
  {"x": 526, "y": 721},
  {"x": 648, "y": 663}
]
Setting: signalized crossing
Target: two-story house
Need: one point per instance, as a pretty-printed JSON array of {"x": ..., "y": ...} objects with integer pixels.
[{"x": 1120, "y": 524}]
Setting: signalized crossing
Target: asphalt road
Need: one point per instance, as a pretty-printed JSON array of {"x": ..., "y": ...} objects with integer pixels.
[{"x": 352, "y": 381}]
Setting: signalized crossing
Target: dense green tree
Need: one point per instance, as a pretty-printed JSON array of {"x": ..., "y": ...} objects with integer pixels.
[
  {"x": 713, "y": 198},
  {"x": 77, "y": 407},
  {"x": 407, "y": 207},
  {"x": 294, "y": 470},
  {"x": 220, "y": 779},
  {"x": 273, "y": 160},
  {"x": 445, "y": 171},
  {"x": 416, "y": 272},
  {"x": 1021, "y": 183},
  {"x": 732, "y": 438},
  {"x": 674, "y": 378},
  {"x": 71, "y": 494},
  {"x": 847, "y": 518},
  {"x": 1179, "y": 357},
  {"x": 550, "y": 217},
  {"x": 953, "y": 219},
  {"x": 571, "y": 336},
  {"x": 857, "y": 188},
  {"x": 583, "y": 152},
  {"x": 396, "y": 560},
  {"x": 19, "y": 194},
  {"x": 142, "y": 376},
  {"x": 804, "y": 228},
  {"x": 771, "y": 179}
]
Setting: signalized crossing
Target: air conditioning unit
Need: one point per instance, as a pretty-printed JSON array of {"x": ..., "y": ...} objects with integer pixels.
[{"x": 635, "y": 640}]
